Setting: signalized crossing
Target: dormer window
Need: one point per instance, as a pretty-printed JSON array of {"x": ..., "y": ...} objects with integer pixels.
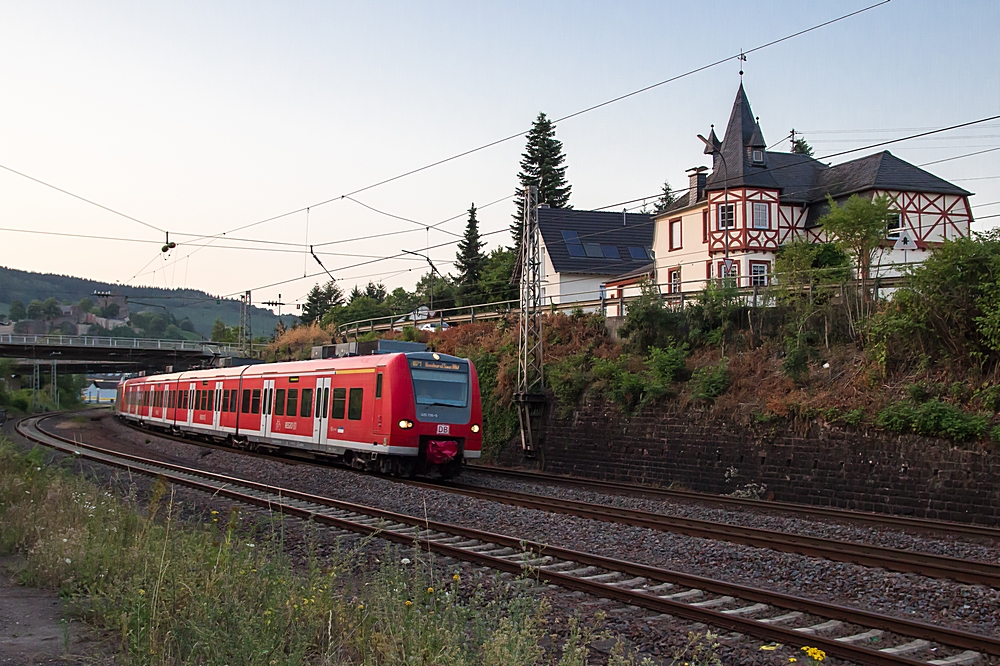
[{"x": 757, "y": 156}]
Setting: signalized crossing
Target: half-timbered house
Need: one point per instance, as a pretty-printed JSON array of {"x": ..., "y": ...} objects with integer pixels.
[{"x": 754, "y": 200}]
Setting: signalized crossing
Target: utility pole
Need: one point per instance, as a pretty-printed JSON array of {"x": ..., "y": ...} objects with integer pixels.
[
  {"x": 246, "y": 332},
  {"x": 530, "y": 396}
]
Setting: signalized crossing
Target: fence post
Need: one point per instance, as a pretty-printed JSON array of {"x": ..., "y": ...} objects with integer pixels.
[
  {"x": 472, "y": 315},
  {"x": 755, "y": 295},
  {"x": 682, "y": 301}
]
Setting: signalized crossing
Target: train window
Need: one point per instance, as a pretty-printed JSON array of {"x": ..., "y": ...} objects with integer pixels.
[
  {"x": 225, "y": 400},
  {"x": 291, "y": 407},
  {"x": 339, "y": 402},
  {"x": 268, "y": 396},
  {"x": 211, "y": 395},
  {"x": 246, "y": 401},
  {"x": 255, "y": 403},
  {"x": 307, "y": 403},
  {"x": 439, "y": 387},
  {"x": 279, "y": 402},
  {"x": 197, "y": 399},
  {"x": 378, "y": 386},
  {"x": 325, "y": 400},
  {"x": 232, "y": 400},
  {"x": 354, "y": 406}
]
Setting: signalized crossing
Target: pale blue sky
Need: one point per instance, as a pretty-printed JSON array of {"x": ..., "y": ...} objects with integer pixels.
[{"x": 202, "y": 117}]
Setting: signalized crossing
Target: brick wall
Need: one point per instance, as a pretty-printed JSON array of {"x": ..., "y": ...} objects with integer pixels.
[{"x": 864, "y": 470}]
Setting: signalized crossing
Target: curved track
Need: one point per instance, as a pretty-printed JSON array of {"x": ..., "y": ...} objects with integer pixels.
[
  {"x": 752, "y": 611},
  {"x": 934, "y": 566}
]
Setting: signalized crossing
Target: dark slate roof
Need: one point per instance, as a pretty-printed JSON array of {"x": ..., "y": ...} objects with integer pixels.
[
  {"x": 601, "y": 227},
  {"x": 802, "y": 179}
]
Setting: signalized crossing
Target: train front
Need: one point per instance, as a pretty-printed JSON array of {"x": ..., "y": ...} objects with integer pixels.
[{"x": 446, "y": 418}]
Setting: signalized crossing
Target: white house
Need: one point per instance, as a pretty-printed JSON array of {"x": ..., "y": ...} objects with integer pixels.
[
  {"x": 100, "y": 391},
  {"x": 755, "y": 200},
  {"x": 583, "y": 249}
]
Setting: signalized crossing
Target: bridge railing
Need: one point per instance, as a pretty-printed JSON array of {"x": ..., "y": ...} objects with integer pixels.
[{"x": 106, "y": 342}]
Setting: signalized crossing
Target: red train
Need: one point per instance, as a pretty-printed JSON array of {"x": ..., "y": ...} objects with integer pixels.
[{"x": 403, "y": 413}]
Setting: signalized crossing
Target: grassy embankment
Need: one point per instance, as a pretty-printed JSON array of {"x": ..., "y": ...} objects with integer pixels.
[{"x": 167, "y": 591}]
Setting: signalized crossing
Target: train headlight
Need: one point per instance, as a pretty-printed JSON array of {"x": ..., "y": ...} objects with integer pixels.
[
  {"x": 475, "y": 427},
  {"x": 405, "y": 425}
]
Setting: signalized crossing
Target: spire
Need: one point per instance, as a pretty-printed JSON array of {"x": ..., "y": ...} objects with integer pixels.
[
  {"x": 743, "y": 138},
  {"x": 714, "y": 140}
]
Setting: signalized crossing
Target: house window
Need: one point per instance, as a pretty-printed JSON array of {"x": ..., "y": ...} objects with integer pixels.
[
  {"x": 708, "y": 270},
  {"x": 704, "y": 226},
  {"x": 894, "y": 225},
  {"x": 757, "y": 156},
  {"x": 676, "y": 239},
  {"x": 761, "y": 216},
  {"x": 759, "y": 273},
  {"x": 726, "y": 214},
  {"x": 674, "y": 281}
]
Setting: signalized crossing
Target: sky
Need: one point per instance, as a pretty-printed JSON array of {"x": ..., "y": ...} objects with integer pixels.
[{"x": 199, "y": 118}]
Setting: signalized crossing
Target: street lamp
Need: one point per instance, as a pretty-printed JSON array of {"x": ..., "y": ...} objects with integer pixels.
[{"x": 725, "y": 198}]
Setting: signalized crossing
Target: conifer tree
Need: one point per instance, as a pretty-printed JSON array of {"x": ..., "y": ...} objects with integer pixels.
[
  {"x": 801, "y": 147},
  {"x": 320, "y": 300},
  {"x": 470, "y": 261},
  {"x": 542, "y": 166},
  {"x": 667, "y": 197}
]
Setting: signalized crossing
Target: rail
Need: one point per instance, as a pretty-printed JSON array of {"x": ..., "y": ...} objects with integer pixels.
[
  {"x": 751, "y": 611},
  {"x": 673, "y": 294}
]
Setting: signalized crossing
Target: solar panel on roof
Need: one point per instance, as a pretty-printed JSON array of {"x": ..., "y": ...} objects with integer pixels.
[
  {"x": 570, "y": 237},
  {"x": 575, "y": 250},
  {"x": 594, "y": 250},
  {"x": 638, "y": 253},
  {"x": 610, "y": 252}
]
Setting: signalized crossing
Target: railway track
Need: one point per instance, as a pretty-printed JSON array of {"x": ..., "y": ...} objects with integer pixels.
[
  {"x": 840, "y": 631},
  {"x": 842, "y": 515},
  {"x": 934, "y": 566}
]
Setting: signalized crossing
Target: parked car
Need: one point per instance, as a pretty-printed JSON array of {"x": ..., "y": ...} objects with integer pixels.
[{"x": 434, "y": 326}]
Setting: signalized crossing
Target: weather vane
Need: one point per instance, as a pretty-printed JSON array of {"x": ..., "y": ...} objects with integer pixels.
[{"x": 742, "y": 58}]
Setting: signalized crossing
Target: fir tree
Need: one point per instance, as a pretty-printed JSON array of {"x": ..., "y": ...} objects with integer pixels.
[
  {"x": 801, "y": 147},
  {"x": 542, "y": 166},
  {"x": 376, "y": 292},
  {"x": 470, "y": 262},
  {"x": 667, "y": 197},
  {"x": 320, "y": 300},
  {"x": 356, "y": 293}
]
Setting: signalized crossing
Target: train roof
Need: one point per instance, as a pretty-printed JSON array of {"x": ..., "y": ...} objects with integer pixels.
[{"x": 292, "y": 367}]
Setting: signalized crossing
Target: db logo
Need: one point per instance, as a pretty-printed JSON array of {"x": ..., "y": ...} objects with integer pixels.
[{"x": 444, "y": 429}]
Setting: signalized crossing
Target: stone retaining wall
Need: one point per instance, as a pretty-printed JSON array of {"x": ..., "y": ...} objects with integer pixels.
[{"x": 856, "y": 469}]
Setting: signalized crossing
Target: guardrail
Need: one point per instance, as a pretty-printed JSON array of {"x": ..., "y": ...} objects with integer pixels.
[
  {"x": 106, "y": 342},
  {"x": 672, "y": 293}
]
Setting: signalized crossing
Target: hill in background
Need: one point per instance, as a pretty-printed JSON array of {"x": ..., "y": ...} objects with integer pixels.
[{"x": 200, "y": 307}]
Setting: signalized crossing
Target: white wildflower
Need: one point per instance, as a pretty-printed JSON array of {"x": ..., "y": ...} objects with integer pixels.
[
  {"x": 405, "y": 560},
  {"x": 69, "y": 561}
]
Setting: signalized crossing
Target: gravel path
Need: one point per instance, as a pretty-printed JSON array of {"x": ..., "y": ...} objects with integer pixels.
[{"x": 971, "y": 608}]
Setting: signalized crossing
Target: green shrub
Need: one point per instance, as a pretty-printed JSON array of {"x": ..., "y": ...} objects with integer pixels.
[
  {"x": 854, "y": 417},
  {"x": 569, "y": 380},
  {"x": 710, "y": 382},
  {"x": 668, "y": 363},
  {"x": 989, "y": 397},
  {"x": 796, "y": 362},
  {"x": 934, "y": 419},
  {"x": 625, "y": 388},
  {"x": 995, "y": 434}
]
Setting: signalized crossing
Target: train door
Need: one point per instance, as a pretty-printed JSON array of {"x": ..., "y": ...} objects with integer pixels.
[
  {"x": 190, "y": 403},
  {"x": 217, "y": 406},
  {"x": 321, "y": 422},
  {"x": 267, "y": 408},
  {"x": 379, "y": 425}
]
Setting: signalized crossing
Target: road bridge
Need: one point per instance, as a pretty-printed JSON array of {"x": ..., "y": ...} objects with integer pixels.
[{"x": 110, "y": 354}]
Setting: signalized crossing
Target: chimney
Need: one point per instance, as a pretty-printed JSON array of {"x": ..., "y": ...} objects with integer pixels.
[{"x": 696, "y": 183}]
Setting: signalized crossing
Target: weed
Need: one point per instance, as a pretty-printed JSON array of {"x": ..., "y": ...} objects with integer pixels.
[
  {"x": 710, "y": 382},
  {"x": 933, "y": 418},
  {"x": 854, "y": 417}
]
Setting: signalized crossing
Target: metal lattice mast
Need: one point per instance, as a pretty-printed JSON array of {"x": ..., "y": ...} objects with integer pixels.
[
  {"x": 530, "y": 395},
  {"x": 530, "y": 377},
  {"x": 246, "y": 331}
]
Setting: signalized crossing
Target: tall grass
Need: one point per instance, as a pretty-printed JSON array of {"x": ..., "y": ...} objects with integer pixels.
[{"x": 224, "y": 592}]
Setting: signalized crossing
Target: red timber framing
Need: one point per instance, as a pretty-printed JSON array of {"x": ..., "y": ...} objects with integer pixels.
[
  {"x": 931, "y": 218},
  {"x": 743, "y": 236}
]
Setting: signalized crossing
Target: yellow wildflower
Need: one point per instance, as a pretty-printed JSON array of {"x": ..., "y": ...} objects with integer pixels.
[
  {"x": 456, "y": 578},
  {"x": 409, "y": 603},
  {"x": 430, "y": 590}
]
